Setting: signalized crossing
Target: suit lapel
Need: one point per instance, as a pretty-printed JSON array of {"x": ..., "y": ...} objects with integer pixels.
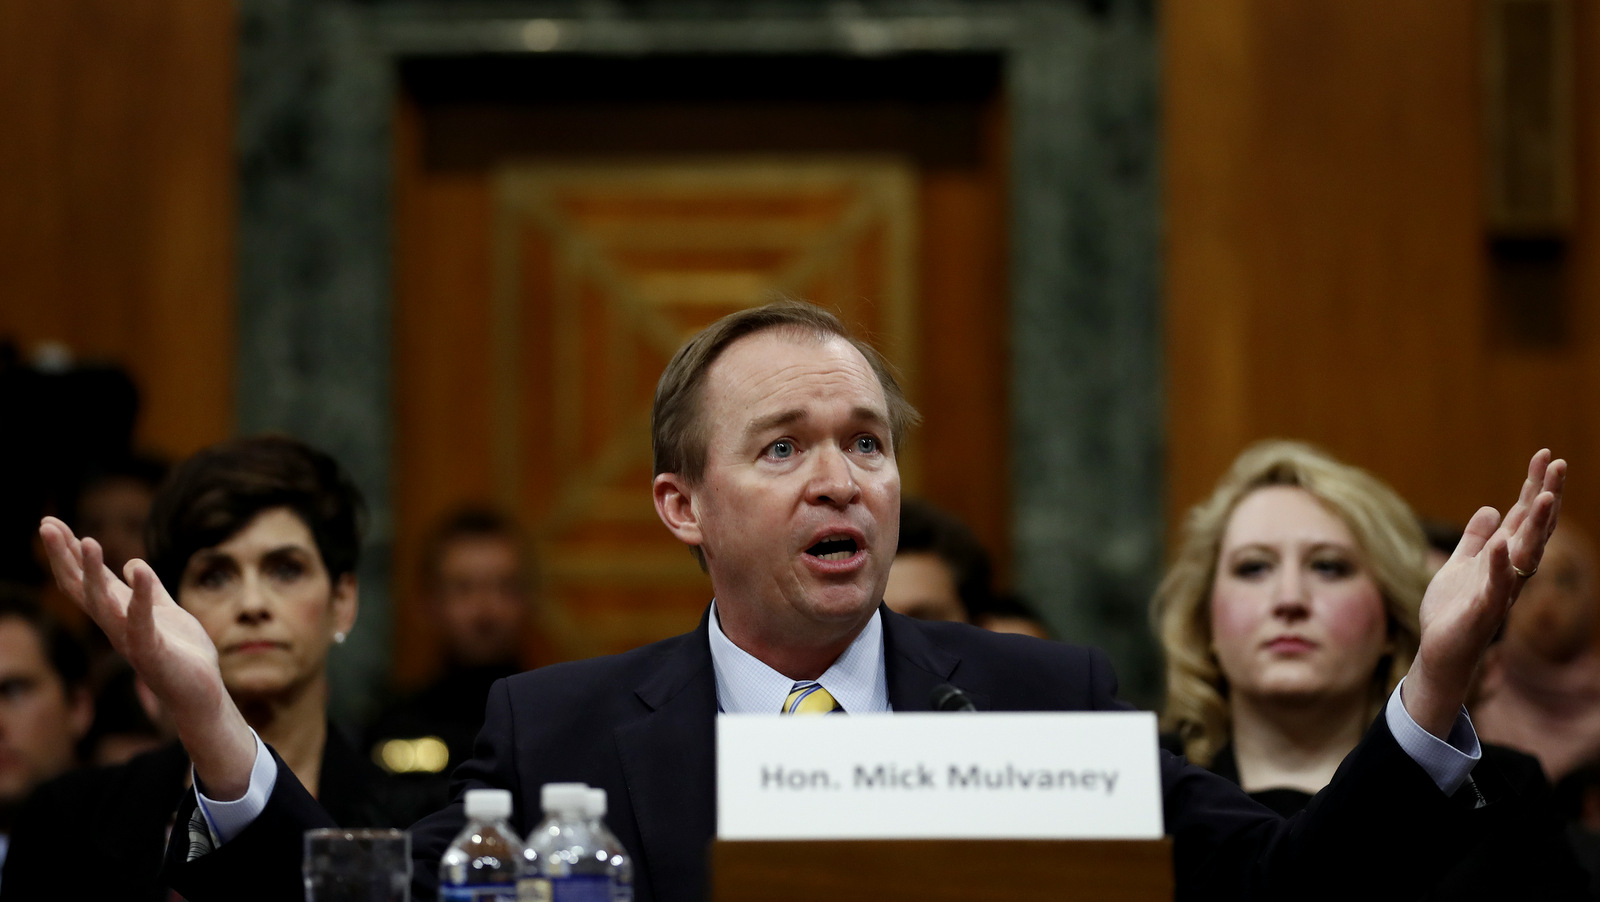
[
  {"x": 916, "y": 666},
  {"x": 669, "y": 755},
  {"x": 668, "y": 764},
  {"x": 147, "y": 790}
]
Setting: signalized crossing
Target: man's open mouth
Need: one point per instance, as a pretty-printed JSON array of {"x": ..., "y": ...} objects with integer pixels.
[{"x": 834, "y": 549}]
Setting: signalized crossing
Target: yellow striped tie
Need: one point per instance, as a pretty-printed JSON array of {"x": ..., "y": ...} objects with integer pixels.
[{"x": 808, "y": 697}]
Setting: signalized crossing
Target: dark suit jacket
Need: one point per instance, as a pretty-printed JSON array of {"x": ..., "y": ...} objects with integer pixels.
[
  {"x": 641, "y": 726},
  {"x": 99, "y": 833},
  {"x": 1520, "y": 850},
  {"x": 450, "y": 708}
]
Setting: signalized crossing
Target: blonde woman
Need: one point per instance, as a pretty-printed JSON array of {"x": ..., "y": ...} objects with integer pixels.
[{"x": 1287, "y": 619}]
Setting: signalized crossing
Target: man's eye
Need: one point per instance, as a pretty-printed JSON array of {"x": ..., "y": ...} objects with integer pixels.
[
  {"x": 867, "y": 444},
  {"x": 781, "y": 449}
]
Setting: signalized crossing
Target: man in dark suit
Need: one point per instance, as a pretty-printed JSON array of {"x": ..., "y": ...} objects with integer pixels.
[{"x": 775, "y": 437}]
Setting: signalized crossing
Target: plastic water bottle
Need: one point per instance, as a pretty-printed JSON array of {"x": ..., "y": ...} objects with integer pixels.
[
  {"x": 481, "y": 865},
  {"x": 564, "y": 861},
  {"x": 609, "y": 847}
]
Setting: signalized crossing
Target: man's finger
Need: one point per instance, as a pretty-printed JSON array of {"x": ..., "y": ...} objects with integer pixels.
[
  {"x": 1555, "y": 482},
  {"x": 74, "y": 545},
  {"x": 1535, "y": 533},
  {"x": 1555, "y": 476},
  {"x": 1477, "y": 533},
  {"x": 1502, "y": 583},
  {"x": 96, "y": 594},
  {"x": 1538, "y": 468},
  {"x": 66, "y": 560},
  {"x": 141, "y": 617}
]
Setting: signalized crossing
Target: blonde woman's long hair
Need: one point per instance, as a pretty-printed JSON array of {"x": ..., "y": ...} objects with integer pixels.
[{"x": 1390, "y": 541}]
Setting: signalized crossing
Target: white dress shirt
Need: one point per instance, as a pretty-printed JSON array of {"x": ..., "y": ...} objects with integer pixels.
[{"x": 858, "y": 681}]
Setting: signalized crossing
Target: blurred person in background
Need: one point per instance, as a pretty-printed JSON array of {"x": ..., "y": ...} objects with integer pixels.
[
  {"x": 1289, "y": 615},
  {"x": 1008, "y": 612},
  {"x": 258, "y": 538},
  {"x": 128, "y": 719},
  {"x": 45, "y": 707},
  {"x": 477, "y": 589},
  {"x": 113, "y": 504},
  {"x": 940, "y": 570},
  {"x": 1541, "y": 683},
  {"x": 64, "y": 417}
]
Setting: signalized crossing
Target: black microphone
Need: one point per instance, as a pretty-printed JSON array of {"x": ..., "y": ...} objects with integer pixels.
[{"x": 948, "y": 698}]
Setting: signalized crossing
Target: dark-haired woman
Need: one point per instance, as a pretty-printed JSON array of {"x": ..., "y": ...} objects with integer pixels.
[{"x": 258, "y": 539}]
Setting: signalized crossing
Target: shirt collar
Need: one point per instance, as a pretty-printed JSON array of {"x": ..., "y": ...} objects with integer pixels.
[{"x": 858, "y": 680}]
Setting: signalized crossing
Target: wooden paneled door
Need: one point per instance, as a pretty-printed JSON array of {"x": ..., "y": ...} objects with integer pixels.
[
  {"x": 601, "y": 272},
  {"x": 540, "y": 298}
]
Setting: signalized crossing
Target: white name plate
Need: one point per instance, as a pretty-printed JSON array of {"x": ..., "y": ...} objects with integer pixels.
[{"x": 939, "y": 776}]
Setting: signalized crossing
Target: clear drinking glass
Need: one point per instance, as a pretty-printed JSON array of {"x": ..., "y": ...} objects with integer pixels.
[{"x": 357, "y": 866}]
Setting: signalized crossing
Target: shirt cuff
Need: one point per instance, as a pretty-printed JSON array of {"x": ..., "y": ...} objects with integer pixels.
[
  {"x": 1447, "y": 761},
  {"x": 226, "y": 820}
]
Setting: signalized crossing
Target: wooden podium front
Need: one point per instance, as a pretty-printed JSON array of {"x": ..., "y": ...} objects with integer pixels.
[{"x": 941, "y": 869}]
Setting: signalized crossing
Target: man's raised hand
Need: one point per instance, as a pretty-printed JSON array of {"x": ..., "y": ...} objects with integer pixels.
[
  {"x": 163, "y": 642},
  {"x": 167, "y": 647},
  {"x": 1468, "y": 599}
]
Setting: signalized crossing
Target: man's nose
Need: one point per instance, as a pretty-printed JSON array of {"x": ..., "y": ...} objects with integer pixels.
[{"x": 833, "y": 480}]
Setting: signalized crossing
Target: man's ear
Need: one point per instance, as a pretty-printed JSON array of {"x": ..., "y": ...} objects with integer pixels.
[{"x": 674, "y": 498}]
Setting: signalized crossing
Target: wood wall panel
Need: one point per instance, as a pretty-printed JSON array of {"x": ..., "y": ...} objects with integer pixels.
[
  {"x": 117, "y": 198},
  {"x": 1586, "y": 252},
  {"x": 962, "y": 445},
  {"x": 444, "y": 394},
  {"x": 1326, "y": 259},
  {"x": 444, "y": 451}
]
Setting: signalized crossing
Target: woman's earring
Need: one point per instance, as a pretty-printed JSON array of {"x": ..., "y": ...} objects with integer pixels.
[{"x": 338, "y": 638}]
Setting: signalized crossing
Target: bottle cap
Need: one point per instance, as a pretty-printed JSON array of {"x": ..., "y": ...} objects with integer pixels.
[
  {"x": 563, "y": 798},
  {"x": 488, "y": 804},
  {"x": 594, "y": 803}
]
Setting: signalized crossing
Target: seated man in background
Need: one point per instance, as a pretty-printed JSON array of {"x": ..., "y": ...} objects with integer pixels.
[
  {"x": 114, "y": 502},
  {"x": 1008, "y": 612},
  {"x": 128, "y": 720},
  {"x": 44, "y": 702},
  {"x": 112, "y": 506},
  {"x": 1541, "y": 682},
  {"x": 940, "y": 571},
  {"x": 476, "y": 589}
]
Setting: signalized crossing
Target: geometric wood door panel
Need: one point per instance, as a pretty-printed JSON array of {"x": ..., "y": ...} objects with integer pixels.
[{"x": 600, "y": 272}]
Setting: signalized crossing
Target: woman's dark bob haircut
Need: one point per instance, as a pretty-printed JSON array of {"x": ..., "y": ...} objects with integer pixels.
[{"x": 218, "y": 491}]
